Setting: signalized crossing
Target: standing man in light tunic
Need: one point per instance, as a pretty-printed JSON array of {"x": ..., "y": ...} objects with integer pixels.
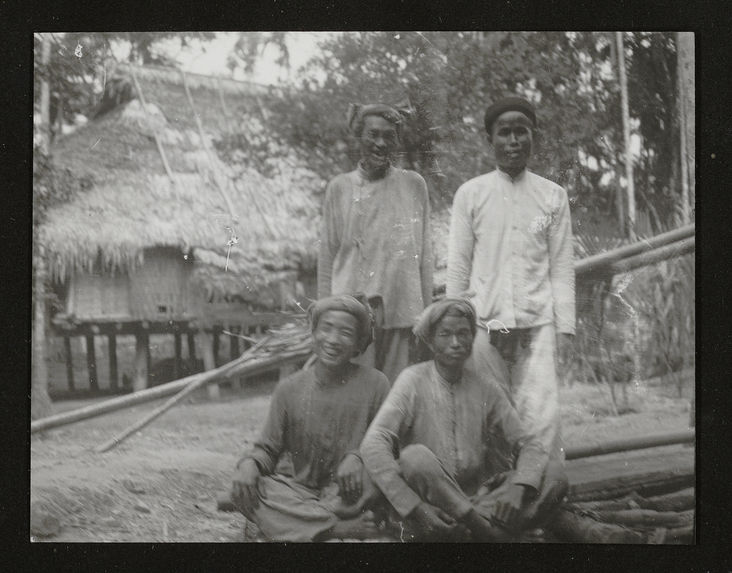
[
  {"x": 376, "y": 238},
  {"x": 510, "y": 248}
]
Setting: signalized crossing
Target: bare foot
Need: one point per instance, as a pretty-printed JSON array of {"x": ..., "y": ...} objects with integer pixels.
[
  {"x": 361, "y": 527},
  {"x": 344, "y": 511},
  {"x": 484, "y": 531}
]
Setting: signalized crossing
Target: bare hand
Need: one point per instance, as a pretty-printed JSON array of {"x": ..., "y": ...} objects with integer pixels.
[
  {"x": 432, "y": 521},
  {"x": 565, "y": 349},
  {"x": 508, "y": 506},
  {"x": 247, "y": 488},
  {"x": 349, "y": 478}
]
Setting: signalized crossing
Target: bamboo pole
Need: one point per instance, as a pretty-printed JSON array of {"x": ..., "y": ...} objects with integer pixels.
[
  {"x": 648, "y": 258},
  {"x": 645, "y": 484},
  {"x": 190, "y": 388},
  {"x": 251, "y": 369},
  {"x": 590, "y": 264},
  {"x": 159, "y": 143},
  {"x": 204, "y": 144},
  {"x": 676, "y": 501},
  {"x": 643, "y": 442},
  {"x": 647, "y": 517},
  {"x": 626, "y": 135}
]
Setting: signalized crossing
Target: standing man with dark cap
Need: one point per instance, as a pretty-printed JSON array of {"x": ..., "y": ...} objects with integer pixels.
[
  {"x": 375, "y": 237},
  {"x": 510, "y": 247}
]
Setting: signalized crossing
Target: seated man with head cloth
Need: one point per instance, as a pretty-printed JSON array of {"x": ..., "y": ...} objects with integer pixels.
[
  {"x": 319, "y": 416},
  {"x": 436, "y": 443}
]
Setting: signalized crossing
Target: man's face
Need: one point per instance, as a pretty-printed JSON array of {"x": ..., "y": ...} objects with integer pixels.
[
  {"x": 378, "y": 141},
  {"x": 452, "y": 341},
  {"x": 335, "y": 340},
  {"x": 512, "y": 138}
]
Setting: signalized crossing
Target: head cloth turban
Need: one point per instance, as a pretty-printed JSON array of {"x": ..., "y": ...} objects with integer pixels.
[
  {"x": 508, "y": 104},
  {"x": 357, "y": 112},
  {"x": 425, "y": 325},
  {"x": 356, "y": 305}
]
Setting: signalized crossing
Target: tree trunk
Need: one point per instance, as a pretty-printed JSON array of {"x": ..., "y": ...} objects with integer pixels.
[
  {"x": 40, "y": 401},
  {"x": 687, "y": 103},
  {"x": 626, "y": 135}
]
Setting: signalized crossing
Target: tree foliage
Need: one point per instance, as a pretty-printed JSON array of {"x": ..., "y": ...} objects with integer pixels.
[{"x": 449, "y": 78}]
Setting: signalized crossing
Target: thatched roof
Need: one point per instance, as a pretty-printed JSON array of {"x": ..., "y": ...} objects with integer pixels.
[{"x": 125, "y": 201}]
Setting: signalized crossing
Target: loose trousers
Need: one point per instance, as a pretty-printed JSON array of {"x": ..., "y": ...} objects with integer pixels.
[
  {"x": 528, "y": 373},
  {"x": 294, "y": 512},
  {"x": 429, "y": 479}
]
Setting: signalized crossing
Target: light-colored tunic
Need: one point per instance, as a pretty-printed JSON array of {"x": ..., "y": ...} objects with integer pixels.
[
  {"x": 376, "y": 239},
  {"x": 318, "y": 424},
  {"x": 511, "y": 242},
  {"x": 470, "y": 427}
]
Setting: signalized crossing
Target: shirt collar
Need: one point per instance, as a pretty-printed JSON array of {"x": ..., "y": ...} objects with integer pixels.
[
  {"x": 363, "y": 175},
  {"x": 507, "y": 177},
  {"x": 440, "y": 380}
]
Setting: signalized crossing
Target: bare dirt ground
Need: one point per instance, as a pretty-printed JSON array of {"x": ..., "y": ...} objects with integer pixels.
[{"x": 160, "y": 484}]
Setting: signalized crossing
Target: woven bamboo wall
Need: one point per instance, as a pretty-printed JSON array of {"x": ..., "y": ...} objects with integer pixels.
[
  {"x": 159, "y": 288},
  {"x": 93, "y": 296}
]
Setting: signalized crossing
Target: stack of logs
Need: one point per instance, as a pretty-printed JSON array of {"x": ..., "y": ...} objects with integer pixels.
[{"x": 665, "y": 518}]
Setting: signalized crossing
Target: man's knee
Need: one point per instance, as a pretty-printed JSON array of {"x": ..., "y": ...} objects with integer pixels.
[{"x": 417, "y": 460}]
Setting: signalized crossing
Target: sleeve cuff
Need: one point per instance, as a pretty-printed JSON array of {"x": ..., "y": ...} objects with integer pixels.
[
  {"x": 405, "y": 501},
  {"x": 527, "y": 479},
  {"x": 355, "y": 452},
  {"x": 262, "y": 464}
]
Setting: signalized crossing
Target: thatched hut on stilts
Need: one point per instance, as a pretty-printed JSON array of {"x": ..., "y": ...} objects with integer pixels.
[{"x": 161, "y": 235}]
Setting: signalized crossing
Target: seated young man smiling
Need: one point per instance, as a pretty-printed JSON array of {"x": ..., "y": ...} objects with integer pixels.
[
  {"x": 434, "y": 446},
  {"x": 319, "y": 416}
]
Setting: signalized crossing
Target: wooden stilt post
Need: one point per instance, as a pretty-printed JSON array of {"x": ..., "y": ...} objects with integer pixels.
[
  {"x": 191, "y": 347},
  {"x": 69, "y": 362},
  {"x": 148, "y": 358},
  {"x": 234, "y": 353},
  {"x": 141, "y": 350},
  {"x": 91, "y": 363},
  {"x": 215, "y": 343},
  {"x": 205, "y": 340},
  {"x": 178, "y": 354},
  {"x": 112, "y": 339}
]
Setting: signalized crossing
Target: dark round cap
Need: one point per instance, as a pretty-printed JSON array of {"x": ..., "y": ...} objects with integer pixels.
[{"x": 505, "y": 104}]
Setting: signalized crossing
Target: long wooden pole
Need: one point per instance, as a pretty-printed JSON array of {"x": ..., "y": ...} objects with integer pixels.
[
  {"x": 630, "y": 184},
  {"x": 250, "y": 369},
  {"x": 594, "y": 262},
  {"x": 158, "y": 143},
  {"x": 664, "y": 253},
  {"x": 191, "y": 387},
  {"x": 643, "y": 442}
]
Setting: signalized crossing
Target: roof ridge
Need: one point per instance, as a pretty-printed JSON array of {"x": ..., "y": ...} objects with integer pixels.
[{"x": 171, "y": 74}]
